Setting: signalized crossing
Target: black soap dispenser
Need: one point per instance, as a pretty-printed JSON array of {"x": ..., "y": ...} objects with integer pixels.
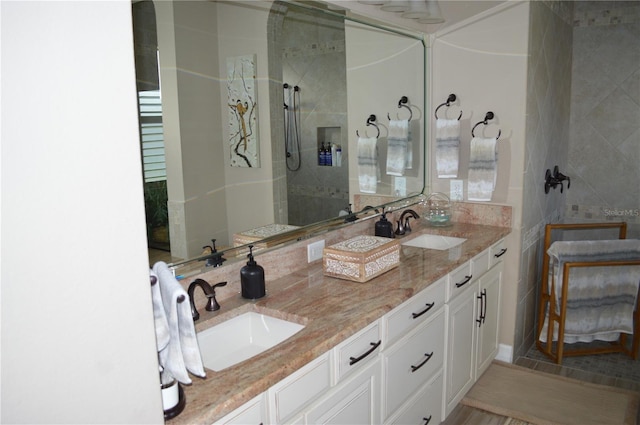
[
  {"x": 384, "y": 227},
  {"x": 252, "y": 278}
]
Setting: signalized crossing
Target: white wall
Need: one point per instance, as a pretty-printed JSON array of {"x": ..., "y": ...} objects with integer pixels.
[
  {"x": 207, "y": 197},
  {"x": 381, "y": 68},
  {"x": 484, "y": 62},
  {"x": 242, "y": 30},
  {"x": 78, "y": 343}
]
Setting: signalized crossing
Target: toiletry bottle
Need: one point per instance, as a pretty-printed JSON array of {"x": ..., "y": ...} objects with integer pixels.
[
  {"x": 338, "y": 156},
  {"x": 324, "y": 155},
  {"x": 321, "y": 155},
  {"x": 384, "y": 227},
  {"x": 334, "y": 155},
  {"x": 252, "y": 279},
  {"x": 328, "y": 159}
]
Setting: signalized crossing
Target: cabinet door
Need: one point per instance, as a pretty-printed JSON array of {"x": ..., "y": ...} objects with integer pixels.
[
  {"x": 354, "y": 401},
  {"x": 489, "y": 314},
  {"x": 461, "y": 329},
  {"x": 424, "y": 408}
]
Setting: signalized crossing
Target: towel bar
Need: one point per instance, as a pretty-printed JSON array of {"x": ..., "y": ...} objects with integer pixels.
[
  {"x": 402, "y": 103},
  {"x": 554, "y": 308},
  {"x": 452, "y": 98},
  {"x": 489, "y": 116},
  {"x": 371, "y": 121}
]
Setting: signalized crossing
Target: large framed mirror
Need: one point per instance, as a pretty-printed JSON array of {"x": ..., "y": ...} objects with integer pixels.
[{"x": 241, "y": 102}]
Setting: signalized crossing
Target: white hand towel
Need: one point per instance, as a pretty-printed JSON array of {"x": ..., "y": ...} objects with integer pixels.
[
  {"x": 483, "y": 165},
  {"x": 368, "y": 164},
  {"x": 398, "y": 147},
  {"x": 159, "y": 315},
  {"x": 182, "y": 354},
  {"x": 447, "y": 147}
]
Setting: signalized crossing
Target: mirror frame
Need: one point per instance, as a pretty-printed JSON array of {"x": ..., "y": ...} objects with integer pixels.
[{"x": 234, "y": 254}]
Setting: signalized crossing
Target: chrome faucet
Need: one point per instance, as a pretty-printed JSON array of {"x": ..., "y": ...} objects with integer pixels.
[
  {"x": 403, "y": 223},
  {"x": 209, "y": 291}
]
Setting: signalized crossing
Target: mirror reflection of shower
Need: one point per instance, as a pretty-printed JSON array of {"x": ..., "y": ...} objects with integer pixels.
[{"x": 291, "y": 96}]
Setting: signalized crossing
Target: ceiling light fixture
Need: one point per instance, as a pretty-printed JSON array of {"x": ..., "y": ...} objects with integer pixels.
[
  {"x": 417, "y": 10},
  {"x": 435, "y": 14},
  {"x": 395, "y": 6}
]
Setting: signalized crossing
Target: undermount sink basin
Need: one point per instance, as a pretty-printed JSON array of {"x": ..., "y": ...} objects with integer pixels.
[
  {"x": 241, "y": 338},
  {"x": 441, "y": 243}
]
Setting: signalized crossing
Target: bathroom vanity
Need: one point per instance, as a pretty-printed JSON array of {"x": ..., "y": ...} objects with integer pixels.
[{"x": 401, "y": 348}]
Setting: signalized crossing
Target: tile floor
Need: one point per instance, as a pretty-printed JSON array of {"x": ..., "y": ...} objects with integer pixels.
[{"x": 616, "y": 370}]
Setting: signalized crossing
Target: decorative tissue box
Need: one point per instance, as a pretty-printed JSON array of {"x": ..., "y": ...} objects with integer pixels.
[{"x": 361, "y": 258}]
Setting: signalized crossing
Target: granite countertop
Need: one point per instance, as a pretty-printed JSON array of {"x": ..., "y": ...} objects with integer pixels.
[{"x": 331, "y": 309}]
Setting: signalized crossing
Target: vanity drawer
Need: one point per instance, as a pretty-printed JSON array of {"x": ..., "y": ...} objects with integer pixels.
[
  {"x": 414, "y": 311},
  {"x": 412, "y": 361},
  {"x": 480, "y": 264},
  {"x": 357, "y": 350},
  {"x": 297, "y": 390},
  {"x": 459, "y": 280},
  {"x": 497, "y": 252}
]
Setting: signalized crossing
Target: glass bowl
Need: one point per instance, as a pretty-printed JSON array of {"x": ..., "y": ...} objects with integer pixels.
[{"x": 437, "y": 210}]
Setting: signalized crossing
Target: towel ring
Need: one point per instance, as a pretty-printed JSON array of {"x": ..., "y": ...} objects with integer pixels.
[
  {"x": 371, "y": 121},
  {"x": 487, "y": 117},
  {"x": 402, "y": 103},
  {"x": 451, "y": 98}
]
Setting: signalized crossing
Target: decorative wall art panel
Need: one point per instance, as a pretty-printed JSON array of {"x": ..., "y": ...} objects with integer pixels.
[{"x": 243, "y": 111}]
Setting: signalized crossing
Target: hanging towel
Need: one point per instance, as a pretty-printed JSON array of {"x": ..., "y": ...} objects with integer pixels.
[
  {"x": 447, "y": 147},
  {"x": 483, "y": 166},
  {"x": 398, "y": 147},
  {"x": 182, "y": 353},
  {"x": 601, "y": 299},
  {"x": 159, "y": 315},
  {"x": 368, "y": 164}
]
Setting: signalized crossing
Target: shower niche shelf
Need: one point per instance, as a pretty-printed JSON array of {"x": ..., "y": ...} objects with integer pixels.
[{"x": 328, "y": 143}]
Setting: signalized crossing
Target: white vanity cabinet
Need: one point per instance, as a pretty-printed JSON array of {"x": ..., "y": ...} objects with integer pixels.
[
  {"x": 472, "y": 324},
  {"x": 413, "y": 365}
]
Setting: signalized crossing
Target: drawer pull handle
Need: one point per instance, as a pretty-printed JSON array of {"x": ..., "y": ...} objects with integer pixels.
[
  {"x": 464, "y": 282},
  {"x": 354, "y": 360},
  {"x": 414, "y": 368},
  {"x": 429, "y": 307},
  {"x": 427, "y": 420},
  {"x": 501, "y": 253}
]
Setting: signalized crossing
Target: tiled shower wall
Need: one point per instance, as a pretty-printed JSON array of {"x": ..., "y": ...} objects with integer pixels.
[
  {"x": 604, "y": 146},
  {"x": 547, "y": 134},
  {"x": 309, "y": 52}
]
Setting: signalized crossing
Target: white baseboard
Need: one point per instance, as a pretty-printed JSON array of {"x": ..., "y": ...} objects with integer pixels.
[{"x": 505, "y": 353}]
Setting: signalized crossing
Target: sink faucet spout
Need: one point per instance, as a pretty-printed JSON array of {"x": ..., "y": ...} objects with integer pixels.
[
  {"x": 403, "y": 223},
  {"x": 210, "y": 293}
]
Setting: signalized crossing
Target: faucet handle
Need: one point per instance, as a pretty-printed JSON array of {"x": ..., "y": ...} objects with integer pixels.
[{"x": 212, "y": 303}]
